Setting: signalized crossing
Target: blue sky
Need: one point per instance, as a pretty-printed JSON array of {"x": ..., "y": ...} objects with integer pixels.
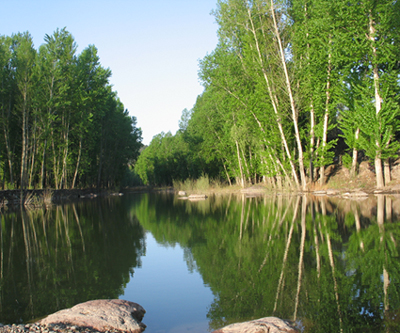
[{"x": 151, "y": 46}]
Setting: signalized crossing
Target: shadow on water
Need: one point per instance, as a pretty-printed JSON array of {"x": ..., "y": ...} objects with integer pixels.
[{"x": 58, "y": 257}]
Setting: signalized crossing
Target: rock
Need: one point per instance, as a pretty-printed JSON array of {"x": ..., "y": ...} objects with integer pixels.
[
  {"x": 182, "y": 194},
  {"x": 262, "y": 325},
  {"x": 332, "y": 192},
  {"x": 319, "y": 193},
  {"x": 101, "y": 315},
  {"x": 197, "y": 197},
  {"x": 355, "y": 194},
  {"x": 359, "y": 194}
]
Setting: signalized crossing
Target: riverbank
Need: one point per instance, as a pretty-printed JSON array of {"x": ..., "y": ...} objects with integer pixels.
[
  {"x": 338, "y": 182},
  {"x": 38, "y": 198}
]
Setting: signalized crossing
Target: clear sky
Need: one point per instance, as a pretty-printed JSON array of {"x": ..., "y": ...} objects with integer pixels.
[{"x": 151, "y": 46}]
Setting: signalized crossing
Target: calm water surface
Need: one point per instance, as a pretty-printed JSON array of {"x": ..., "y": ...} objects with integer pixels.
[{"x": 329, "y": 265}]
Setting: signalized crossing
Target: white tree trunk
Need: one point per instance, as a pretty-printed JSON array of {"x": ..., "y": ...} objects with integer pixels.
[
  {"x": 326, "y": 117},
  {"x": 77, "y": 164},
  {"x": 292, "y": 103},
  {"x": 273, "y": 99},
  {"x": 355, "y": 156},
  {"x": 240, "y": 165},
  {"x": 378, "y": 103}
]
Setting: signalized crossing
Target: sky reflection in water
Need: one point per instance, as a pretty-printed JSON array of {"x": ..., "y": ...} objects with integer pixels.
[{"x": 168, "y": 291}]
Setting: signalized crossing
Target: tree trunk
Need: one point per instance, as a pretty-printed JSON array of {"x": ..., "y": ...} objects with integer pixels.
[
  {"x": 240, "y": 165},
  {"x": 9, "y": 155},
  {"x": 355, "y": 156},
  {"x": 292, "y": 103},
  {"x": 55, "y": 162},
  {"x": 387, "y": 174},
  {"x": 227, "y": 174},
  {"x": 77, "y": 164},
  {"x": 100, "y": 163},
  {"x": 312, "y": 141},
  {"x": 312, "y": 111},
  {"x": 24, "y": 140},
  {"x": 64, "y": 180},
  {"x": 378, "y": 103},
  {"x": 379, "y": 172},
  {"x": 33, "y": 156},
  {"x": 273, "y": 102},
  {"x": 42, "y": 175},
  {"x": 326, "y": 117}
]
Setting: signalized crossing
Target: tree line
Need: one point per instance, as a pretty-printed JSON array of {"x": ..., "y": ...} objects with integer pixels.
[
  {"x": 61, "y": 124},
  {"x": 291, "y": 87}
]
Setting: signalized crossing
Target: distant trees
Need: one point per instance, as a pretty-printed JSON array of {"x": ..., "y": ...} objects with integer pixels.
[
  {"x": 288, "y": 80},
  {"x": 61, "y": 124}
]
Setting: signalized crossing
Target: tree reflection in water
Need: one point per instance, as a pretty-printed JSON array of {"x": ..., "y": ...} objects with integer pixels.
[
  {"x": 330, "y": 264},
  {"x": 58, "y": 257},
  {"x": 327, "y": 263}
]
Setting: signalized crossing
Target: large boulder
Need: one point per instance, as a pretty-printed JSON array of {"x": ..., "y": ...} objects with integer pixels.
[
  {"x": 101, "y": 315},
  {"x": 262, "y": 325}
]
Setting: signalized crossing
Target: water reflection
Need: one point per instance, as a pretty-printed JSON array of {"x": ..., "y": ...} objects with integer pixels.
[
  {"x": 56, "y": 258},
  {"x": 330, "y": 264}
]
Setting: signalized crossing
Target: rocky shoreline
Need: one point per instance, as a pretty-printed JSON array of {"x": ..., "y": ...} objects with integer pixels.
[
  {"x": 38, "y": 328},
  {"x": 124, "y": 316}
]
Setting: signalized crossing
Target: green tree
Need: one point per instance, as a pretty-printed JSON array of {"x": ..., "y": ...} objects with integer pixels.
[
  {"x": 55, "y": 109},
  {"x": 23, "y": 59},
  {"x": 374, "y": 89},
  {"x": 56, "y": 58}
]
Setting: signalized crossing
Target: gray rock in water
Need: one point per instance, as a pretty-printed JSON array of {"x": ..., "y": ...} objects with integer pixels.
[
  {"x": 101, "y": 315},
  {"x": 262, "y": 325}
]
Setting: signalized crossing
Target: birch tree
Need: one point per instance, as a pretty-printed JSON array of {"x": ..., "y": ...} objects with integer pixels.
[
  {"x": 375, "y": 29},
  {"x": 23, "y": 59}
]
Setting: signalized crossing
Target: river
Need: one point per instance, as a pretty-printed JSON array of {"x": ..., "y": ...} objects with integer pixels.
[{"x": 326, "y": 264}]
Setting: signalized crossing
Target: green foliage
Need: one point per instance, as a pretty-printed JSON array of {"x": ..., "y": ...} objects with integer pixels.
[
  {"x": 338, "y": 54},
  {"x": 347, "y": 161},
  {"x": 62, "y": 125}
]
